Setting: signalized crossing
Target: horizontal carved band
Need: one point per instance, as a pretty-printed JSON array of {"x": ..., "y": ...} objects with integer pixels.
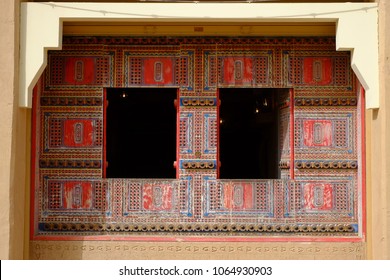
[
  {"x": 282, "y": 228},
  {"x": 319, "y": 101},
  {"x": 198, "y": 164},
  {"x": 203, "y": 102},
  {"x": 284, "y": 165},
  {"x": 69, "y": 163},
  {"x": 326, "y": 164},
  {"x": 167, "y": 40},
  {"x": 71, "y": 101}
]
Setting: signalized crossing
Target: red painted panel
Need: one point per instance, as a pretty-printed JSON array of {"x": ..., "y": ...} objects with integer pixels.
[
  {"x": 237, "y": 70},
  {"x": 317, "y": 70},
  {"x": 78, "y": 133},
  {"x": 157, "y": 197},
  {"x": 318, "y": 196},
  {"x": 158, "y": 71},
  {"x": 238, "y": 196},
  {"x": 317, "y": 133},
  {"x": 80, "y": 70},
  {"x": 77, "y": 195}
]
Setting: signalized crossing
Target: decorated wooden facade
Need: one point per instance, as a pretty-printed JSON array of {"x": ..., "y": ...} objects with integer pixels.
[{"x": 317, "y": 184}]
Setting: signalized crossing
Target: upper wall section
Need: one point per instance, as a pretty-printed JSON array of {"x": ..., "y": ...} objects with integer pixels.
[{"x": 41, "y": 29}]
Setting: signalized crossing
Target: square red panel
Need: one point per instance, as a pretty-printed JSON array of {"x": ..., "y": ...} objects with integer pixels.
[
  {"x": 238, "y": 196},
  {"x": 80, "y": 70},
  {"x": 157, "y": 197},
  {"x": 78, "y": 133},
  {"x": 237, "y": 70},
  {"x": 77, "y": 195},
  {"x": 317, "y": 71},
  {"x": 318, "y": 196},
  {"x": 317, "y": 133},
  {"x": 158, "y": 71}
]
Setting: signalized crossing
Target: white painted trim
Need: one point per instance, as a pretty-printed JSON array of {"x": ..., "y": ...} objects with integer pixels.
[{"x": 357, "y": 29}]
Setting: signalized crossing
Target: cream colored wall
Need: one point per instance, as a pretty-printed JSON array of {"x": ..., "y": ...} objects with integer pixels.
[
  {"x": 378, "y": 144},
  {"x": 6, "y": 109},
  {"x": 13, "y": 137}
]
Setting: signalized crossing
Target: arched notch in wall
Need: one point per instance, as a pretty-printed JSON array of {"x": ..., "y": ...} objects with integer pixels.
[{"x": 41, "y": 29}]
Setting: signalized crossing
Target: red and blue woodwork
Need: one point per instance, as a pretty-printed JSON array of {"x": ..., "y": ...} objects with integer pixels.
[
  {"x": 251, "y": 199},
  {"x": 158, "y": 67},
  {"x": 80, "y": 69},
  {"x": 331, "y": 200},
  {"x": 86, "y": 197},
  {"x": 325, "y": 133},
  {"x": 66, "y": 131},
  {"x": 237, "y": 67},
  {"x": 320, "y": 186},
  {"x": 142, "y": 198},
  {"x": 317, "y": 68},
  {"x": 284, "y": 133}
]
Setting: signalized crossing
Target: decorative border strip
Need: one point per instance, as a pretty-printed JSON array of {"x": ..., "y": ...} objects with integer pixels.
[
  {"x": 190, "y": 228},
  {"x": 71, "y": 101},
  {"x": 201, "y": 102},
  {"x": 326, "y": 164},
  {"x": 326, "y": 101},
  {"x": 284, "y": 164},
  {"x": 198, "y": 164},
  {"x": 69, "y": 163},
  {"x": 125, "y": 40}
]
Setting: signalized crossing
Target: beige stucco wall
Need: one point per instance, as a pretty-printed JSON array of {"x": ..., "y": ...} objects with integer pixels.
[
  {"x": 13, "y": 137},
  {"x": 378, "y": 149},
  {"x": 6, "y": 109},
  {"x": 14, "y": 180}
]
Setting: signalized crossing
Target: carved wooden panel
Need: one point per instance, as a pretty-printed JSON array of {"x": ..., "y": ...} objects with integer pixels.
[{"x": 318, "y": 192}]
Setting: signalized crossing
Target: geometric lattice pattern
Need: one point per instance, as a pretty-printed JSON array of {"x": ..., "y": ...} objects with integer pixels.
[
  {"x": 284, "y": 136},
  {"x": 325, "y": 133},
  {"x": 317, "y": 68},
  {"x": 319, "y": 177},
  {"x": 237, "y": 67},
  {"x": 158, "y": 67},
  {"x": 186, "y": 132},
  {"x": 252, "y": 198},
  {"x": 210, "y": 133},
  {"x": 148, "y": 69},
  {"x": 75, "y": 197},
  {"x": 153, "y": 203},
  {"x": 330, "y": 199},
  {"x": 149, "y": 198},
  {"x": 63, "y": 131},
  {"x": 77, "y": 69}
]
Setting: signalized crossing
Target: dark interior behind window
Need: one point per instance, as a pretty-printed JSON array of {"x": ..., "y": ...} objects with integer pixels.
[
  {"x": 248, "y": 134},
  {"x": 141, "y": 133}
]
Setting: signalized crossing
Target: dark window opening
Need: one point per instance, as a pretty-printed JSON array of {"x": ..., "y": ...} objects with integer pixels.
[
  {"x": 141, "y": 133},
  {"x": 248, "y": 134}
]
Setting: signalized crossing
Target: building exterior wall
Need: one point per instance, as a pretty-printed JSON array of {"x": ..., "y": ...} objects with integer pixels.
[
  {"x": 7, "y": 79},
  {"x": 378, "y": 165},
  {"x": 14, "y": 182},
  {"x": 13, "y": 139}
]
